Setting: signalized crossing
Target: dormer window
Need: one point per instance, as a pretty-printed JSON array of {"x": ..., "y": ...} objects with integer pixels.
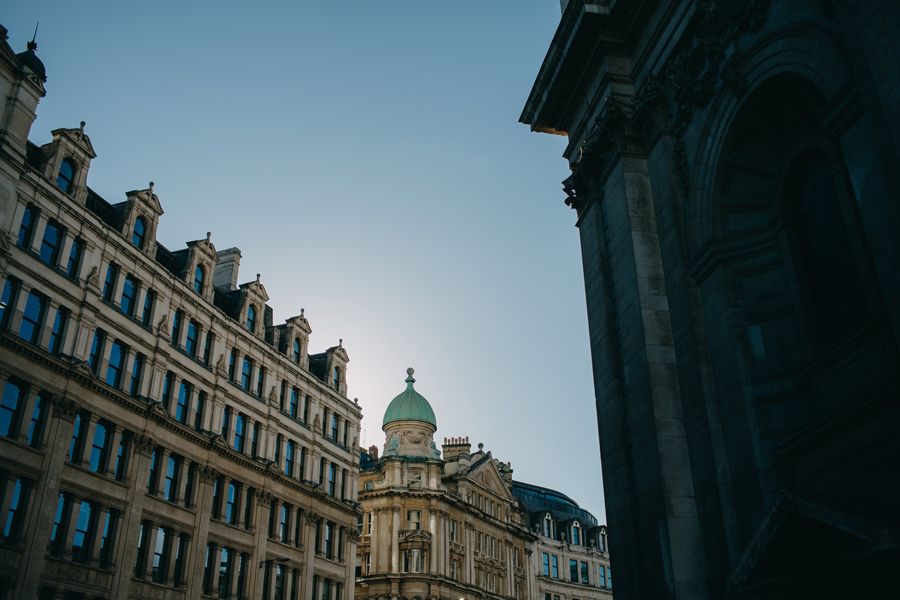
[
  {"x": 199, "y": 276},
  {"x": 576, "y": 533},
  {"x": 296, "y": 351},
  {"x": 337, "y": 379},
  {"x": 251, "y": 318},
  {"x": 548, "y": 524},
  {"x": 137, "y": 236},
  {"x": 66, "y": 179}
]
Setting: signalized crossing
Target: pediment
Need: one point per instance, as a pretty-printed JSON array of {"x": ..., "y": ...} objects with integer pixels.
[
  {"x": 256, "y": 288},
  {"x": 79, "y": 138},
  {"x": 487, "y": 476},
  {"x": 146, "y": 197}
]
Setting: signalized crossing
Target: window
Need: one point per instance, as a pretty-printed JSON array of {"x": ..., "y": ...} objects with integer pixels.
[
  {"x": 346, "y": 427},
  {"x": 452, "y": 569},
  {"x": 584, "y": 573},
  {"x": 17, "y": 505},
  {"x": 251, "y": 319},
  {"x": 26, "y": 228},
  {"x": 602, "y": 542},
  {"x": 289, "y": 459},
  {"x": 554, "y": 567},
  {"x": 176, "y": 326},
  {"x": 452, "y": 531},
  {"x": 96, "y": 353},
  {"x": 57, "y": 534},
  {"x": 231, "y": 513},
  {"x": 38, "y": 416},
  {"x": 334, "y": 427},
  {"x": 116, "y": 368},
  {"x": 226, "y": 422},
  {"x": 331, "y": 476},
  {"x": 576, "y": 533},
  {"x": 254, "y": 441},
  {"x": 343, "y": 484},
  {"x": 414, "y": 520},
  {"x": 81, "y": 551},
  {"x": 548, "y": 524},
  {"x": 608, "y": 577},
  {"x": 369, "y": 564},
  {"x": 190, "y": 342},
  {"x": 30, "y": 329},
  {"x": 198, "y": 411},
  {"x": 10, "y": 407},
  {"x": 321, "y": 470},
  {"x": 190, "y": 477},
  {"x": 248, "y": 508},
  {"x": 170, "y": 486},
  {"x": 168, "y": 382},
  {"x": 208, "y": 568},
  {"x": 302, "y": 473},
  {"x": 50, "y": 244},
  {"x": 121, "y": 467},
  {"x": 207, "y": 348},
  {"x": 573, "y": 571},
  {"x": 283, "y": 525},
  {"x": 65, "y": 180},
  {"x": 199, "y": 276},
  {"x": 8, "y": 298},
  {"x": 368, "y": 524},
  {"x": 260, "y": 381},
  {"x": 240, "y": 425},
  {"x": 232, "y": 360},
  {"x": 296, "y": 351},
  {"x": 180, "y": 559},
  {"x": 137, "y": 234},
  {"x": 74, "y": 259},
  {"x": 337, "y": 379},
  {"x": 137, "y": 370},
  {"x": 109, "y": 284},
  {"x": 100, "y": 448},
  {"x": 218, "y": 484},
  {"x": 246, "y": 371},
  {"x": 182, "y": 407},
  {"x": 225, "y": 568},
  {"x": 161, "y": 554},
  {"x": 412, "y": 560},
  {"x": 329, "y": 538},
  {"x": 77, "y": 444},
  {"x": 147, "y": 316},
  {"x": 293, "y": 406},
  {"x": 107, "y": 537},
  {"x": 602, "y": 576},
  {"x": 279, "y": 442},
  {"x": 129, "y": 292},
  {"x": 306, "y": 409},
  {"x": 59, "y": 323},
  {"x": 154, "y": 470}
]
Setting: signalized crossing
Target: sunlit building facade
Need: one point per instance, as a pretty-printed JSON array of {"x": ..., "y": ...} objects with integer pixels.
[
  {"x": 160, "y": 436},
  {"x": 456, "y": 525}
]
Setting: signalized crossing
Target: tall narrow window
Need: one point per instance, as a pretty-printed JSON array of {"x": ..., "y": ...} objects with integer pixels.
[
  {"x": 207, "y": 348},
  {"x": 137, "y": 370},
  {"x": 74, "y": 259},
  {"x": 232, "y": 362},
  {"x": 251, "y": 319},
  {"x": 254, "y": 441},
  {"x": 190, "y": 341},
  {"x": 602, "y": 576},
  {"x": 8, "y": 298},
  {"x": 225, "y": 573},
  {"x": 296, "y": 351},
  {"x": 555, "y": 567},
  {"x": 190, "y": 476},
  {"x": 289, "y": 459},
  {"x": 199, "y": 276},
  {"x": 147, "y": 316},
  {"x": 137, "y": 234},
  {"x": 161, "y": 554},
  {"x": 168, "y": 382},
  {"x": 239, "y": 431},
  {"x": 26, "y": 227},
  {"x": 59, "y": 323},
  {"x": 305, "y": 417},
  {"x": 170, "y": 486},
  {"x": 230, "y": 510},
  {"x": 584, "y": 573},
  {"x": 77, "y": 443},
  {"x": 108, "y": 535},
  {"x": 31, "y": 318},
  {"x": 57, "y": 533},
  {"x": 332, "y": 473},
  {"x": 109, "y": 284},
  {"x": 117, "y": 355},
  {"x": 129, "y": 291},
  {"x": 546, "y": 565},
  {"x": 295, "y": 393},
  {"x": 198, "y": 411},
  {"x": 260, "y": 381},
  {"x": 81, "y": 540},
  {"x": 246, "y": 370},
  {"x": 226, "y": 422},
  {"x": 576, "y": 533},
  {"x": 180, "y": 559},
  {"x": 573, "y": 571},
  {"x": 16, "y": 510},
  {"x": 66, "y": 178},
  {"x": 176, "y": 326},
  {"x": 38, "y": 417},
  {"x": 121, "y": 467},
  {"x": 279, "y": 442},
  {"x": 337, "y": 379},
  {"x": 302, "y": 473},
  {"x": 96, "y": 352},
  {"x": 50, "y": 243},
  {"x": 99, "y": 448},
  {"x": 182, "y": 408},
  {"x": 334, "y": 427}
]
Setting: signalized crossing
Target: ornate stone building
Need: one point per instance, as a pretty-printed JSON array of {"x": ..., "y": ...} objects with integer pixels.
[
  {"x": 160, "y": 436},
  {"x": 460, "y": 527},
  {"x": 734, "y": 176}
]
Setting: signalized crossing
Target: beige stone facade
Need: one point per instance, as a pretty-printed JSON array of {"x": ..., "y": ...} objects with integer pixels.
[
  {"x": 160, "y": 436},
  {"x": 458, "y": 526}
]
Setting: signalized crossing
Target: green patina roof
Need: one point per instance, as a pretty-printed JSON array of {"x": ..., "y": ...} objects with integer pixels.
[{"x": 409, "y": 406}]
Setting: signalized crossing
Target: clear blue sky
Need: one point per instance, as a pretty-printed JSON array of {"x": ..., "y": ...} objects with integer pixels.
[{"x": 366, "y": 158}]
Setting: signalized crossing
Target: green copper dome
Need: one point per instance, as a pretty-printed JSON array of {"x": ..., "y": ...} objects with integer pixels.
[{"x": 409, "y": 406}]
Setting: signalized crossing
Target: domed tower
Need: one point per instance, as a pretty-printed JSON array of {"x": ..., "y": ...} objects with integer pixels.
[{"x": 409, "y": 424}]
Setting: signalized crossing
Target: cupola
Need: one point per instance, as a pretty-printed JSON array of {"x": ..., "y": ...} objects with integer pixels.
[{"x": 409, "y": 406}]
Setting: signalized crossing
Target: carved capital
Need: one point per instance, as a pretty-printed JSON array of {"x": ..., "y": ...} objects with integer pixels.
[
  {"x": 353, "y": 535},
  {"x": 65, "y": 409},
  {"x": 144, "y": 444},
  {"x": 208, "y": 474},
  {"x": 312, "y": 518},
  {"x": 264, "y": 497}
]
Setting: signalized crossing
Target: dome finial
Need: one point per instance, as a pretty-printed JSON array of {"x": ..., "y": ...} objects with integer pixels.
[
  {"x": 32, "y": 45},
  {"x": 409, "y": 375}
]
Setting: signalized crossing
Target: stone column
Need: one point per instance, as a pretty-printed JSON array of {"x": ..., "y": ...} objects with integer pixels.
[
  {"x": 374, "y": 540},
  {"x": 39, "y": 222},
  {"x": 217, "y": 565},
  {"x": 260, "y": 542},
  {"x": 46, "y": 328},
  {"x": 206, "y": 477},
  {"x": 395, "y": 539},
  {"x": 312, "y": 522},
  {"x": 435, "y": 543}
]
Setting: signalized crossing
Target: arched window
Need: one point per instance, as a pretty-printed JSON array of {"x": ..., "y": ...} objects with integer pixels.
[
  {"x": 337, "y": 379},
  {"x": 251, "y": 318},
  {"x": 137, "y": 235},
  {"x": 199, "y": 276},
  {"x": 296, "y": 351},
  {"x": 66, "y": 179},
  {"x": 576, "y": 533},
  {"x": 548, "y": 526}
]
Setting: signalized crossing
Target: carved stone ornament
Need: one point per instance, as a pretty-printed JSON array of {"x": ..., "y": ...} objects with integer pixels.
[
  {"x": 208, "y": 474},
  {"x": 272, "y": 395},
  {"x": 317, "y": 423},
  {"x": 312, "y": 519},
  {"x": 264, "y": 497},
  {"x": 65, "y": 409},
  {"x": 353, "y": 535},
  {"x": 144, "y": 444},
  {"x": 93, "y": 279},
  {"x": 220, "y": 364},
  {"x": 412, "y": 437},
  {"x": 355, "y": 442}
]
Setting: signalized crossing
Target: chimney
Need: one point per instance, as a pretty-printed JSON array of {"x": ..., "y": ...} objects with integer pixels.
[
  {"x": 455, "y": 447},
  {"x": 227, "y": 264}
]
